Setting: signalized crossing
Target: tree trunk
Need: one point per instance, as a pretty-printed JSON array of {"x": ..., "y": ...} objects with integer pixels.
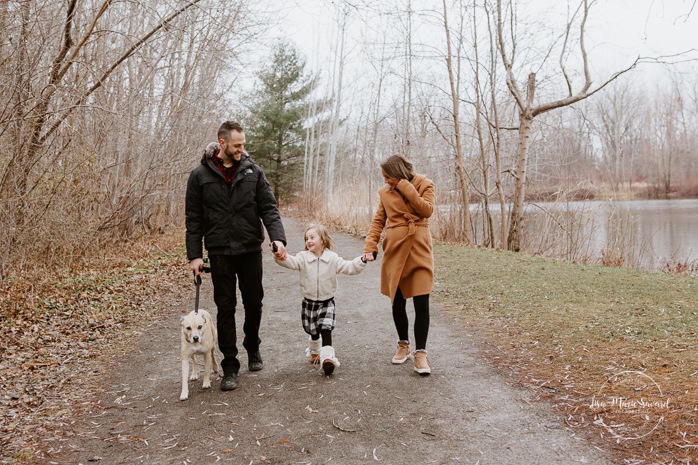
[
  {"x": 458, "y": 147},
  {"x": 527, "y": 111},
  {"x": 516, "y": 220},
  {"x": 334, "y": 128}
]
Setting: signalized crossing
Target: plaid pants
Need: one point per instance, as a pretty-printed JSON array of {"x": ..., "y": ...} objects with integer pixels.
[{"x": 318, "y": 315}]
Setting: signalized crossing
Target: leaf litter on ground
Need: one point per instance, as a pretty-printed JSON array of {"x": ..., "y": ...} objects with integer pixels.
[{"x": 60, "y": 331}]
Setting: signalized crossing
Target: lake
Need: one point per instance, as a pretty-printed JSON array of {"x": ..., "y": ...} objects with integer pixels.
[
  {"x": 668, "y": 229},
  {"x": 650, "y": 234}
]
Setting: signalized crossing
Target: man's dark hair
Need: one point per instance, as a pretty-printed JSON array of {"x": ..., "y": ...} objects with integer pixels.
[{"x": 227, "y": 127}]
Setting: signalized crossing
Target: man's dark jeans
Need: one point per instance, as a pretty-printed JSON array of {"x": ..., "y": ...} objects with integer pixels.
[{"x": 226, "y": 272}]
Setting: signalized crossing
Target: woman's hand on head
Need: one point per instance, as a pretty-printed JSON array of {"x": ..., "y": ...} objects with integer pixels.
[{"x": 400, "y": 183}]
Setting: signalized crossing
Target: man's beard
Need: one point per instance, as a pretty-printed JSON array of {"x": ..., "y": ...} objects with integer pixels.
[{"x": 230, "y": 155}]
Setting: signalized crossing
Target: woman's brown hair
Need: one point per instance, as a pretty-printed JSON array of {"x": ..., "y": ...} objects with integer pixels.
[{"x": 397, "y": 167}]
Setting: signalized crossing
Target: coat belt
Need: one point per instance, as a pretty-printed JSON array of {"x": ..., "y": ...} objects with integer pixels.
[{"x": 411, "y": 225}]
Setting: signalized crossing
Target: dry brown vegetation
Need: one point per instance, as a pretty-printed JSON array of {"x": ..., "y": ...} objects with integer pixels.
[{"x": 60, "y": 332}]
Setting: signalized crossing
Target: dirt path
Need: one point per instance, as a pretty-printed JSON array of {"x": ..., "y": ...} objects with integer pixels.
[{"x": 369, "y": 411}]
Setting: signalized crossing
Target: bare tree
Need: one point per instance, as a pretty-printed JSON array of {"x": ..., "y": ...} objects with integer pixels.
[
  {"x": 526, "y": 102},
  {"x": 339, "y": 63},
  {"x": 454, "y": 83},
  {"x": 97, "y": 90},
  {"x": 618, "y": 115}
]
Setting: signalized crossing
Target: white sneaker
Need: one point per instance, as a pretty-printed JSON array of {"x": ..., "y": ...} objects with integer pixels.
[{"x": 328, "y": 361}]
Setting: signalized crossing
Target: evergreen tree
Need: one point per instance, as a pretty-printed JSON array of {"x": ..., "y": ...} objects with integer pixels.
[{"x": 276, "y": 126}]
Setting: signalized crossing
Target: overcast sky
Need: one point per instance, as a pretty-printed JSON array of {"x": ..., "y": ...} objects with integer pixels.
[{"x": 618, "y": 30}]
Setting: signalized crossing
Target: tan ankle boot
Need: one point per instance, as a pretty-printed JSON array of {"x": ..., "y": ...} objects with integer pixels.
[
  {"x": 420, "y": 362},
  {"x": 403, "y": 352}
]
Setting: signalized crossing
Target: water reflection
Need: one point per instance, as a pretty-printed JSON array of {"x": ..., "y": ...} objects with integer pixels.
[
  {"x": 668, "y": 228},
  {"x": 639, "y": 233}
]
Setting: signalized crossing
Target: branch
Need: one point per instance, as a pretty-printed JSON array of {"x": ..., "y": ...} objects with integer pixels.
[
  {"x": 584, "y": 91},
  {"x": 438, "y": 129},
  {"x": 585, "y": 58},
  {"x": 581, "y": 95},
  {"x": 56, "y": 75},
  {"x": 116, "y": 64},
  {"x": 71, "y": 59},
  {"x": 510, "y": 80},
  {"x": 564, "y": 48}
]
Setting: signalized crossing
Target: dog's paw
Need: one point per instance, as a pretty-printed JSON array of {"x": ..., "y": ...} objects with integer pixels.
[
  {"x": 206, "y": 385},
  {"x": 184, "y": 396},
  {"x": 194, "y": 376}
]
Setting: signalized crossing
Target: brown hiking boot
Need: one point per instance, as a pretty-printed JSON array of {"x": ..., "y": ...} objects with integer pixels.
[
  {"x": 420, "y": 363},
  {"x": 403, "y": 352}
]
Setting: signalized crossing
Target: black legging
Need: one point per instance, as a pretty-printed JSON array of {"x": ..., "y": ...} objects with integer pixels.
[
  {"x": 421, "y": 318},
  {"x": 326, "y": 337}
]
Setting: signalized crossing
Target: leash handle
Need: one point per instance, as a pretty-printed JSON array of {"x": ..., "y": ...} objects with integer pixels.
[
  {"x": 274, "y": 247},
  {"x": 198, "y": 288},
  {"x": 197, "y": 282}
]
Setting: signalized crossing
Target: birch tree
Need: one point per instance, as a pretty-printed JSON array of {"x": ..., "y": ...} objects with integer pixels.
[
  {"x": 454, "y": 83},
  {"x": 337, "y": 83},
  {"x": 524, "y": 94}
]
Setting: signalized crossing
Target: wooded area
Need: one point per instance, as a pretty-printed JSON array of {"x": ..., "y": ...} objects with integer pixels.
[{"x": 105, "y": 107}]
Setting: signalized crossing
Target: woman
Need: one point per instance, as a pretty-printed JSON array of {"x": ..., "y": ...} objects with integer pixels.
[{"x": 407, "y": 271}]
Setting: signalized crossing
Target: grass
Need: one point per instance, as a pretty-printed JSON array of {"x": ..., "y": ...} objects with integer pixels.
[{"x": 568, "y": 330}]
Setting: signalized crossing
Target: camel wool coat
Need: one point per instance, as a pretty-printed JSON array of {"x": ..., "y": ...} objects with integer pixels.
[{"x": 408, "y": 261}]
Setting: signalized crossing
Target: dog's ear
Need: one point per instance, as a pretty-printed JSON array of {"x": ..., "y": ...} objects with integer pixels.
[{"x": 203, "y": 315}]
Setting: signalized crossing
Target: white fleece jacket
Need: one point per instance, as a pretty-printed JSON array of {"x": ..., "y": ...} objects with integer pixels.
[{"x": 318, "y": 275}]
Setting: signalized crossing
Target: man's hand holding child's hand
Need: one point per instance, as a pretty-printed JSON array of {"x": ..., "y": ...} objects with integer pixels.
[{"x": 278, "y": 249}]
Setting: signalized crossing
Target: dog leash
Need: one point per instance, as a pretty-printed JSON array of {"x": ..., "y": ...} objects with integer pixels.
[{"x": 197, "y": 281}]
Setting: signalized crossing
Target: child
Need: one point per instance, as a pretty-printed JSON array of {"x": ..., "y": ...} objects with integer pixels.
[{"x": 318, "y": 267}]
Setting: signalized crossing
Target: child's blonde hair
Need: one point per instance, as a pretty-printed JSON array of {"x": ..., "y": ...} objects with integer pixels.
[{"x": 324, "y": 234}]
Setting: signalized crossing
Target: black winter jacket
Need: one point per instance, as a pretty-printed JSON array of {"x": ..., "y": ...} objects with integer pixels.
[{"x": 227, "y": 217}]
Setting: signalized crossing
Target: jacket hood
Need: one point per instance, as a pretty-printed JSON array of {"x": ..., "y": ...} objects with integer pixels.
[{"x": 214, "y": 149}]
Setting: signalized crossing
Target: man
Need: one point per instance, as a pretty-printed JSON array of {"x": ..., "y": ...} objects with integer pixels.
[{"x": 227, "y": 196}]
